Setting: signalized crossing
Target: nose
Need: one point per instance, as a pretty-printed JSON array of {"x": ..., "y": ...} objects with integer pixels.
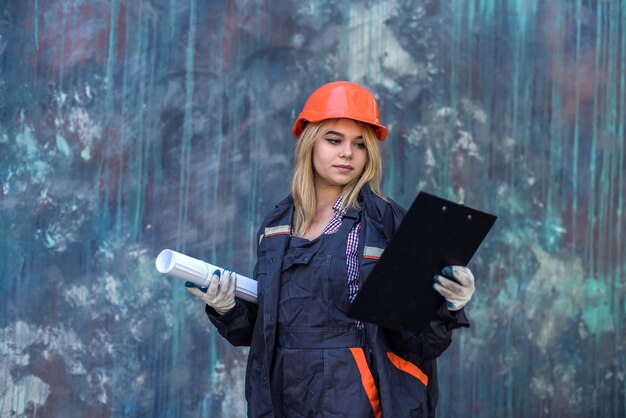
[{"x": 347, "y": 151}]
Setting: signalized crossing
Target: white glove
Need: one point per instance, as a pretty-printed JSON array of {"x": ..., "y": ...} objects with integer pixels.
[
  {"x": 457, "y": 292},
  {"x": 220, "y": 295}
]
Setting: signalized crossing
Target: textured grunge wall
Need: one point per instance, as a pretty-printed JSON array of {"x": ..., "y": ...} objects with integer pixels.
[{"x": 127, "y": 127}]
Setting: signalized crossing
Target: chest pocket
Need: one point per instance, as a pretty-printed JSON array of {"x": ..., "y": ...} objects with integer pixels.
[
  {"x": 297, "y": 259},
  {"x": 300, "y": 255}
]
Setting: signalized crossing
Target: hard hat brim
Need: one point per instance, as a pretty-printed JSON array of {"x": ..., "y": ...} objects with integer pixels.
[{"x": 379, "y": 130}]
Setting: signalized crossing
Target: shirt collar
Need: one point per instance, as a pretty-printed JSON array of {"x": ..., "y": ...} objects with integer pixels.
[{"x": 338, "y": 206}]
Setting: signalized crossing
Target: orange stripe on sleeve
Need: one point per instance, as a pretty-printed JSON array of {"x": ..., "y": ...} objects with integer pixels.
[
  {"x": 408, "y": 367},
  {"x": 368, "y": 381}
]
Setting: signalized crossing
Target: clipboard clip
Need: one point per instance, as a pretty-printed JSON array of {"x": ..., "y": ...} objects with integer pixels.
[{"x": 445, "y": 208}]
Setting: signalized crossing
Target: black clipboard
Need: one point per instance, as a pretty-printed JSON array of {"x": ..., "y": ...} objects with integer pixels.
[{"x": 434, "y": 233}]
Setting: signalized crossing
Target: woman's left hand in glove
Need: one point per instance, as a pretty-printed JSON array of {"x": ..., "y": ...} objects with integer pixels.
[{"x": 456, "y": 285}]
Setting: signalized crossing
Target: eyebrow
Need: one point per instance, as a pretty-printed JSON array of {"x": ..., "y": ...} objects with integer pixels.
[{"x": 342, "y": 135}]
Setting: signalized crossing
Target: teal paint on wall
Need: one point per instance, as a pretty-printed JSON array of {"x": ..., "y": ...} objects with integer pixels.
[{"x": 128, "y": 127}]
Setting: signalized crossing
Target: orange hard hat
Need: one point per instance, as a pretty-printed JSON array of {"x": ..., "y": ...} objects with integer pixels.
[{"x": 340, "y": 99}]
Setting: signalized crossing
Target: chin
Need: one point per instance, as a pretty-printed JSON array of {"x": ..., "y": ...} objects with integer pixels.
[{"x": 343, "y": 183}]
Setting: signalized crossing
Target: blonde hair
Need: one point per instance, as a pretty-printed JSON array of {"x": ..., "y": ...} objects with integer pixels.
[{"x": 303, "y": 182}]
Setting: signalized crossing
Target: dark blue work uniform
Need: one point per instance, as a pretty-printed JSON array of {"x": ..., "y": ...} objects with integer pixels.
[{"x": 307, "y": 358}]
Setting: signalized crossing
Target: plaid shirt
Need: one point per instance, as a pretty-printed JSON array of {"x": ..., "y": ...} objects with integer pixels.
[{"x": 352, "y": 261}]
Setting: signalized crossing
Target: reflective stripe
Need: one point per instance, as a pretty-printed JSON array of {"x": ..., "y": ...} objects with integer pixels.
[
  {"x": 408, "y": 367},
  {"x": 261, "y": 238},
  {"x": 372, "y": 252},
  {"x": 367, "y": 380},
  {"x": 277, "y": 230}
]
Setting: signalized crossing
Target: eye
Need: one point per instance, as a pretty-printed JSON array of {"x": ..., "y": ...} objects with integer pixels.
[
  {"x": 360, "y": 145},
  {"x": 333, "y": 141}
]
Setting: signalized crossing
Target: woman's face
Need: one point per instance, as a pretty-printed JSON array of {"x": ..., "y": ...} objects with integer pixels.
[{"x": 339, "y": 154}]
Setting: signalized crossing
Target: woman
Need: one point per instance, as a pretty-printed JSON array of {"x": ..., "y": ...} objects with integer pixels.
[{"x": 307, "y": 357}]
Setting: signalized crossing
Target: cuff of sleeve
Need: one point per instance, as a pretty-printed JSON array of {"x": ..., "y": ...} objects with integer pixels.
[
  {"x": 227, "y": 317},
  {"x": 453, "y": 319}
]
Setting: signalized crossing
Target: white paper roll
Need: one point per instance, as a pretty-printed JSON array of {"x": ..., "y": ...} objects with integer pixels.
[{"x": 199, "y": 272}]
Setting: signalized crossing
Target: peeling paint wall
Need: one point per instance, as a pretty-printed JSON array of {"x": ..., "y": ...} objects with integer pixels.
[{"x": 129, "y": 127}]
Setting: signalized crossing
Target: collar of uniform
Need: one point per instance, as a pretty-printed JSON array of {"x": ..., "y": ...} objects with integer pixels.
[
  {"x": 287, "y": 201},
  {"x": 338, "y": 206},
  {"x": 372, "y": 204},
  {"x": 281, "y": 214}
]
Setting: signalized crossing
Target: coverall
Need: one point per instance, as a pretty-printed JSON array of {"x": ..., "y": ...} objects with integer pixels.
[{"x": 307, "y": 358}]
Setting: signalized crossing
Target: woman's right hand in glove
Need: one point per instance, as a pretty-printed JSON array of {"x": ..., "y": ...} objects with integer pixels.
[{"x": 220, "y": 295}]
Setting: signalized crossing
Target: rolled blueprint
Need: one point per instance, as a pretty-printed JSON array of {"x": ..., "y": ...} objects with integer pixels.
[{"x": 199, "y": 273}]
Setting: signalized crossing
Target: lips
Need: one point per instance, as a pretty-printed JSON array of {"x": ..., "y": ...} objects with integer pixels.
[{"x": 344, "y": 167}]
